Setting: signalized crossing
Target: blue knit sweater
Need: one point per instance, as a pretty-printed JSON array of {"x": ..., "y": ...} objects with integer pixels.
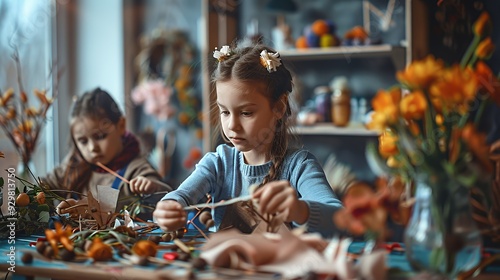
[{"x": 224, "y": 175}]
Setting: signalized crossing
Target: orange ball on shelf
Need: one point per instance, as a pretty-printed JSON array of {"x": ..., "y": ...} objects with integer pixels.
[
  {"x": 320, "y": 27},
  {"x": 301, "y": 43}
]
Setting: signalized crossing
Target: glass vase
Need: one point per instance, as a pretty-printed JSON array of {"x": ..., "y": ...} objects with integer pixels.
[{"x": 441, "y": 237}]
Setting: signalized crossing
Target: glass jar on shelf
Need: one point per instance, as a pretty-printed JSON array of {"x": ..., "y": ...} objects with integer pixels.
[{"x": 341, "y": 102}]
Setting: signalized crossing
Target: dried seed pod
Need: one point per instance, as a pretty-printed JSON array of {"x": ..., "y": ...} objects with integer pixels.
[
  {"x": 210, "y": 223},
  {"x": 40, "y": 246},
  {"x": 167, "y": 237},
  {"x": 204, "y": 217},
  {"x": 27, "y": 258},
  {"x": 99, "y": 251},
  {"x": 183, "y": 256},
  {"x": 145, "y": 248},
  {"x": 180, "y": 232},
  {"x": 199, "y": 263},
  {"x": 155, "y": 239},
  {"x": 66, "y": 255},
  {"x": 48, "y": 252}
]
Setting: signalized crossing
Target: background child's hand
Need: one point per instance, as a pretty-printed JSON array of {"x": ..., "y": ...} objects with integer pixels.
[
  {"x": 142, "y": 185},
  {"x": 170, "y": 215},
  {"x": 74, "y": 211},
  {"x": 280, "y": 197}
]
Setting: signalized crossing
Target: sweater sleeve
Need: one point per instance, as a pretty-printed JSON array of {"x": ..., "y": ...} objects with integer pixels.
[
  {"x": 308, "y": 178},
  {"x": 200, "y": 182}
]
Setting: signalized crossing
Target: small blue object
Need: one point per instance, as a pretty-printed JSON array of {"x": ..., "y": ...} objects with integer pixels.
[{"x": 312, "y": 40}]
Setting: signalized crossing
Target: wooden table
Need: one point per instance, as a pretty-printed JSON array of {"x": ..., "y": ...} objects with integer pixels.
[{"x": 41, "y": 267}]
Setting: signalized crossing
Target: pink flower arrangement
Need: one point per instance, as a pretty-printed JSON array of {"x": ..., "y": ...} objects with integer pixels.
[{"x": 156, "y": 97}]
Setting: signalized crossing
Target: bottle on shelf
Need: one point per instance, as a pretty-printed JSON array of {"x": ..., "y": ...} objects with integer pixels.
[{"x": 322, "y": 101}]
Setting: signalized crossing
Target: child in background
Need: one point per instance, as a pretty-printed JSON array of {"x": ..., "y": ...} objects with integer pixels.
[
  {"x": 252, "y": 98},
  {"x": 99, "y": 135}
]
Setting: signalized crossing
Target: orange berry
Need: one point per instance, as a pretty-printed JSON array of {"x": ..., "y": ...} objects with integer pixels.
[
  {"x": 301, "y": 43},
  {"x": 40, "y": 197},
  {"x": 22, "y": 200},
  {"x": 320, "y": 27}
]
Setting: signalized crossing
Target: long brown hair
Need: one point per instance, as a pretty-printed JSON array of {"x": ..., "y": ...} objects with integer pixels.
[
  {"x": 244, "y": 64},
  {"x": 95, "y": 104}
]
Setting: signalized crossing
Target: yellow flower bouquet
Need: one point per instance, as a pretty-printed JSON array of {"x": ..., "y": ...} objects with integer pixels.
[{"x": 429, "y": 137}]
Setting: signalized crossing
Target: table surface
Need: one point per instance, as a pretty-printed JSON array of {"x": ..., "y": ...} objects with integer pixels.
[{"x": 42, "y": 267}]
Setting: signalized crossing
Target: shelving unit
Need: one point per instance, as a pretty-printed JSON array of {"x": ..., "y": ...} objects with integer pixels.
[
  {"x": 330, "y": 129},
  {"x": 397, "y": 53}
]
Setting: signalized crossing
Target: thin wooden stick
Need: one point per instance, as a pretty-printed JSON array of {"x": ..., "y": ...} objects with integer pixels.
[
  {"x": 112, "y": 172},
  {"x": 220, "y": 203}
]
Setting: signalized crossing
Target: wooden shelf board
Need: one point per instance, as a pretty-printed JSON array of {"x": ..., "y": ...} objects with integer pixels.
[
  {"x": 330, "y": 129},
  {"x": 341, "y": 51}
]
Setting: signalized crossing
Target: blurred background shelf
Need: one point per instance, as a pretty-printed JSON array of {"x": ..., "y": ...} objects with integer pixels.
[
  {"x": 397, "y": 53},
  {"x": 330, "y": 129}
]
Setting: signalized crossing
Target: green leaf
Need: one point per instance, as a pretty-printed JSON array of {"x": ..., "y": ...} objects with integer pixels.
[
  {"x": 42, "y": 208},
  {"x": 436, "y": 258},
  {"x": 1, "y": 182},
  {"x": 44, "y": 217}
]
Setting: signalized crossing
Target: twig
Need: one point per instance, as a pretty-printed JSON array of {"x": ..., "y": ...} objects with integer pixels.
[
  {"x": 112, "y": 172},
  {"x": 218, "y": 204}
]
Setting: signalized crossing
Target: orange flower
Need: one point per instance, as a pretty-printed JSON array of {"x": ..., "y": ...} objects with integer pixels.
[
  {"x": 487, "y": 81},
  {"x": 387, "y": 144},
  {"x": 42, "y": 96},
  {"x": 485, "y": 49},
  {"x": 456, "y": 88},
  {"x": 386, "y": 106},
  {"x": 145, "y": 248},
  {"x": 31, "y": 112},
  {"x": 26, "y": 127},
  {"x": 6, "y": 97},
  {"x": 421, "y": 74},
  {"x": 392, "y": 162},
  {"x": 23, "y": 97},
  {"x": 59, "y": 235},
  {"x": 413, "y": 106},
  {"x": 476, "y": 141},
  {"x": 413, "y": 128},
  {"x": 482, "y": 25},
  {"x": 100, "y": 251},
  {"x": 363, "y": 211}
]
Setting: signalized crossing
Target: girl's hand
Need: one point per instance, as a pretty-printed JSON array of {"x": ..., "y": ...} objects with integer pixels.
[
  {"x": 142, "y": 185},
  {"x": 280, "y": 197},
  {"x": 170, "y": 215}
]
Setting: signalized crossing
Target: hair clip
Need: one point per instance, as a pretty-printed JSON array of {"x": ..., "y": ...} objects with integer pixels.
[
  {"x": 270, "y": 60},
  {"x": 224, "y": 53}
]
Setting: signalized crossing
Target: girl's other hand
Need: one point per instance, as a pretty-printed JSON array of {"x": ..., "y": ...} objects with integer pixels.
[
  {"x": 170, "y": 215},
  {"x": 279, "y": 197},
  {"x": 142, "y": 185}
]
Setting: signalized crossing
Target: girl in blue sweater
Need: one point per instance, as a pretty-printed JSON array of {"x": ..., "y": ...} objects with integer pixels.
[{"x": 252, "y": 98}]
